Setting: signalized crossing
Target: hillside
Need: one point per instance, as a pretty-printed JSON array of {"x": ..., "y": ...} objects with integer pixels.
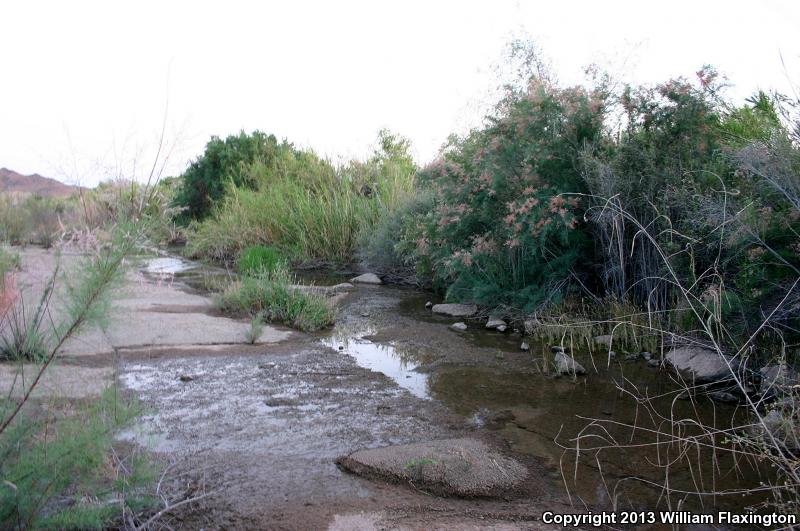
[{"x": 17, "y": 184}]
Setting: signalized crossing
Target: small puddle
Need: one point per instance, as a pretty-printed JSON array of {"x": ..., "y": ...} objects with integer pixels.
[
  {"x": 385, "y": 359},
  {"x": 168, "y": 266}
]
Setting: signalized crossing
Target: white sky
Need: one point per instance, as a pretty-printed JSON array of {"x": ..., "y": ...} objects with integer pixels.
[{"x": 83, "y": 85}]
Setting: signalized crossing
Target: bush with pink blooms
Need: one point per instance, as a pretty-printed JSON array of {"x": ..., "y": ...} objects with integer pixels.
[{"x": 505, "y": 229}]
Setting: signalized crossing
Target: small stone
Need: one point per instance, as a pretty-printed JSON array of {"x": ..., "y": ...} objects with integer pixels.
[
  {"x": 367, "y": 278},
  {"x": 524, "y": 346},
  {"x": 185, "y": 378},
  {"x": 612, "y": 354},
  {"x": 631, "y": 357},
  {"x": 493, "y": 323},
  {"x": 646, "y": 355},
  {"x": 459, "y": 327},
  {"x": 429, "y": 304},
  {"x": 364, "y": 314},
  {"x": 653, "y": 363},
  {"x": 556, "y": 348},
  {"x": 566, "y": 364},
  {"x": 501, "y": 328},
  {"x": 531, "y": 325}
]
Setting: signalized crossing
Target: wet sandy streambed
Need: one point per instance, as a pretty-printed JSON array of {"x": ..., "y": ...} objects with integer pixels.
[
  {"x": 267, "y": 422},
  {"x": 484, "y": 377}
]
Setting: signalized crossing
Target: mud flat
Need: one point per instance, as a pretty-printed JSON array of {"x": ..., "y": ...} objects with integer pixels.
[{"x": 411, "y": 410}]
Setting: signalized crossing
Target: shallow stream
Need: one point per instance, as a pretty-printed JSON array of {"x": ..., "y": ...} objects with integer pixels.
[
  {"x": 485, "y": 377},
  {"x": 580, "y": 427}
]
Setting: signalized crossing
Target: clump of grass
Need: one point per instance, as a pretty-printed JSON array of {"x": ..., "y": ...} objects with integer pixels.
[
  {"x": 9, "y": 261},
  {"x": 25, "y": 335},
  {"x": 274, "y": 297},
  {"x": 255, "y": 330},
  {"x": 258, "y": 258}
]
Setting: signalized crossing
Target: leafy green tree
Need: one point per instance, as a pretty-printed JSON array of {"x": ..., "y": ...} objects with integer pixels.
[{"x": 223, "y": 162}]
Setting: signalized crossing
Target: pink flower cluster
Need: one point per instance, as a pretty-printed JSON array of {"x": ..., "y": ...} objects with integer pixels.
[{"x": 483, "y": 245}]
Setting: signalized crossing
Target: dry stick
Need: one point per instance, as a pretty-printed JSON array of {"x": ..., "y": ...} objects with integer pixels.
[
  {"x": 169, "y": 508},
  {"x": 710, "y": 334}
]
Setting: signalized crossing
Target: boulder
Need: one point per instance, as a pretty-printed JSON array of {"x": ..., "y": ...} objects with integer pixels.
[
  {"x": 455, "y": 310},
  {"x": 459, "y": 327},
  {"x": 698, "y": 364},
  {"x": 464, "y": 467},
  {"x": 566, "y": 364},
  {"x": 494, "y": 324},
  {"x": 367, "y": 278}
]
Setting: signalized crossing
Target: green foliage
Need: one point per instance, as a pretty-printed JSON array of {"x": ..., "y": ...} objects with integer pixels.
[
  {"x": 70, "y": 462},
  {"x": 25, "y": 329},
  {"x": 504, "y": 229},
  {"x": 258, "y": 258},
  {"x": 255, "y": 330},
  {"x": 756, "y": 120},
  {"x": 712, "y": 183},
  {"x": 274, "y": 297},
  {"x": 305, "y": 207},
  {"x": 9, "y": 261},
  {"x": 388, "y": 246},
  {"x": 224, "y": 163},
  {"x": 32, "y": 219}
]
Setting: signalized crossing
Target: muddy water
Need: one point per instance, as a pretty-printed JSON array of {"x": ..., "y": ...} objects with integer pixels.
[
  {"x": 480, "y": 376},
  {"x": 485, "y": 377}
]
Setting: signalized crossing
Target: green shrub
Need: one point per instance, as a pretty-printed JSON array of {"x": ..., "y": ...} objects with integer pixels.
[
  {"x": 260, "y": 258},
  {"x": 384, "y": 247},
  {"x": 225, "y": 162},
  {"x": 503, "y": 230},
  {"x": 9, "y": 261},
  {"x": 274, "y": 297},
  {"x": 305, "y": 207},
  {"x": 70, "y": 463}
]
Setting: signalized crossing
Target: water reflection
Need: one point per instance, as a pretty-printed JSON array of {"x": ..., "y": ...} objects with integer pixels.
[{"x": 383, "y": 358}]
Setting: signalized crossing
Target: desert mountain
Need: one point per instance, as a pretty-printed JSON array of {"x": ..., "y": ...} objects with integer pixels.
[{"x": 17, "y": 184}]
